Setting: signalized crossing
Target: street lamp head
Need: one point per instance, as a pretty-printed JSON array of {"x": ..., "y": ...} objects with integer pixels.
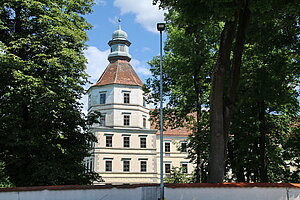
[{"x": 161, "y": 26}]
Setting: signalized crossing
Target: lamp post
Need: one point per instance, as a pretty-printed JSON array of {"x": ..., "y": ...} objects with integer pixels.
[{"x": 161, "y": 27}]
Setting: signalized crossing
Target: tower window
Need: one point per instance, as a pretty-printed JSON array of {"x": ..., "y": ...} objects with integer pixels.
[
  {"x": 126, "y": 120},
  {"x": 102, "y": 120},
  {"x": 102, "y": 98},
  {"x": 126, "y": 97},
  {"x": 122, "y": 48}
]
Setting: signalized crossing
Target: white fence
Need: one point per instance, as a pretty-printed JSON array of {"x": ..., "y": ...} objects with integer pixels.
[{"x": 226, "y": 191}]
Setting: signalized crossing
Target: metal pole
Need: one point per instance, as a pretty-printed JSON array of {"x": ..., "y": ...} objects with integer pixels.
[{"x": 161, "y": 127}]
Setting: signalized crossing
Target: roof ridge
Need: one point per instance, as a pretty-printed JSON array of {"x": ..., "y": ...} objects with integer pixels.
[
  {"x": 116, "y": 76},
  {"x": 131, "y": 73},
  {"x": 102, "y": 75}
]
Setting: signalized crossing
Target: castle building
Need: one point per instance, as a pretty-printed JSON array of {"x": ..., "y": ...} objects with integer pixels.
[{"x": 127, "y": 150}]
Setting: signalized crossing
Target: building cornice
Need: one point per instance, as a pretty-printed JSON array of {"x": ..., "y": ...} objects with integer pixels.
[{"x": 121, "y": 130}]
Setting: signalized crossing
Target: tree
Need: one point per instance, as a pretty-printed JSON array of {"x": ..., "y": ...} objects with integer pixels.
[
  {"x": 177, "y": 175},
  {"x": 44, "y": 136},
  {"x": 186, "y": 71},
  {"x": 235, "y": 18},
  {"x": 267, "y": 110}
]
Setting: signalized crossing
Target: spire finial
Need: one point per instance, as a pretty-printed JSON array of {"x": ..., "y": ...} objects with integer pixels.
[{"x": 119, "y": 23}]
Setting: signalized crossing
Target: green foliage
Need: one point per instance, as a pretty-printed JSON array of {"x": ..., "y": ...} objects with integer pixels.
[
  {"x": 186, "y": 76},
  {"x": 4, "y": 179},
  {"x": 177, "y": 175},
  {"x": 264, "y": 54},
  {"x": 44, "y": 136},
  {"x": 269, "y": 77}
]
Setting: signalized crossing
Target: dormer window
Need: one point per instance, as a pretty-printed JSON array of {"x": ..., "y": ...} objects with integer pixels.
[{"x": 126, "y": 97}]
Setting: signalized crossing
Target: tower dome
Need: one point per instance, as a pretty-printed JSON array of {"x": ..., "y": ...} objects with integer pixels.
[
  {"x": 119, "y": 46},
  {"x": 119, "y": 34}
]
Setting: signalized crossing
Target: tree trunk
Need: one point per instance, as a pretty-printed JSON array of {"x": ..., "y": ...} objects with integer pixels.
[
  {"x": 198, "y": 117},
  {"x": 262, "y": 142},
  {"x": 221, "y": 110},
  {"x": 216, "y": 161}
]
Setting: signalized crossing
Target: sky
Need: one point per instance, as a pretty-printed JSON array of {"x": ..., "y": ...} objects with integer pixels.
[{"x": 138, "y": 19}]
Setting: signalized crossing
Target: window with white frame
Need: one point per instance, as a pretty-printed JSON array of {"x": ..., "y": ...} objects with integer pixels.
[
  {"x": 168, "y": 168},
  {"x": 126, "y": 165},
  {"x": 167, "y": 146},
  {"x": 126, "y": 120},
  {"x": 143, "y": 142},
  {"x": 183, "y": 147},
  {"x": 126, "y": 141},
  {"x": 102, "y": 120},
  {"x": 89, "y": 165},
  {"x": 108, "y": 165},
  {"x": 102, "y": 98},
  {"x": 184, "y": 167},
  {"x": 143, "y": 164},
  {"x": 126, "y": 96},
  {"x": 108, "y": 140}
]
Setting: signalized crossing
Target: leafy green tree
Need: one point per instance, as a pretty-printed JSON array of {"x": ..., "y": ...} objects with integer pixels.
[
  {"x": 267, "y": 110},
  {"x": 44, "y": 136},
  {"x": 234, "y": 16},
  {"x": 177, "y": 175},
  {"x": 186, "y": 70}
]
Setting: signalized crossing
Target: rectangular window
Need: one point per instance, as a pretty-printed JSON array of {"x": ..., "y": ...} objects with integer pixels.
[
  {"x": 126, "y": 97},
  {"x": 122, "y": 48},
  {"x": 102, "y": 120},
  {"x": 126, "y": 141},
  {"x": 144, "y": 102},
  {"x": 184, "y": 167},
  {"x": 126, "y": 165},
  {"x": 108, "y": 165},
  {"x": 109, "y": 140},
  {"x": 183, "y": 147},
  {"x": 144, "y": 122},
  {"x": 102, "y": 98},
  {"x": 167, "y": 168},
  {"x": 143, "y": 142},
  {"x": 91, "y": 165},
  {"x": 143, "y": 166},
  {"x": 167, "y": 147},
  {"x": 126, "y": 120}
]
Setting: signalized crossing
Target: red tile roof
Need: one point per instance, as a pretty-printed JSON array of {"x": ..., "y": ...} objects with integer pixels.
[
  {"x": 119, "y": 72},
  {"x": 182, "y": 131}
]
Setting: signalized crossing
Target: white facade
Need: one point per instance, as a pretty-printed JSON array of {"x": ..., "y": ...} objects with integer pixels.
[{"x": 128, "y": 149}]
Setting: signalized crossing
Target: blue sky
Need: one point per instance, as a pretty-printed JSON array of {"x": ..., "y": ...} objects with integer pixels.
[{"x": 138, "y": 19}]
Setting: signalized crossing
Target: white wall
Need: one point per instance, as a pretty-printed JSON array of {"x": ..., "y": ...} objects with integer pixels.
[
  {"x": 172, "y": 192},
  {"x": 236, "y": 193}
]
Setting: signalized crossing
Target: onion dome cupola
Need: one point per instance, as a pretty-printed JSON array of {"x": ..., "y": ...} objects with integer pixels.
[{"x": 119, "y": 46}]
